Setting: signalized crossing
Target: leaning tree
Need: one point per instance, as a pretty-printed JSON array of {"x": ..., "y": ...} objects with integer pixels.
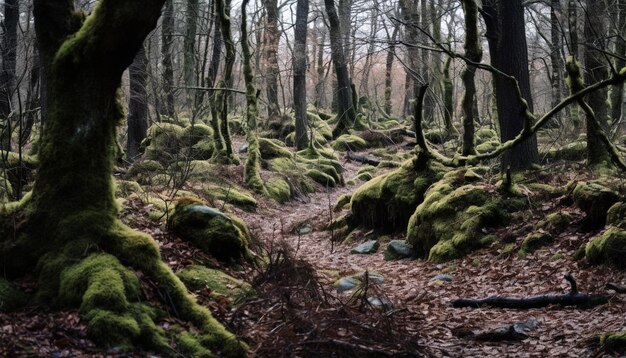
[{"x": 70, "y": 233}]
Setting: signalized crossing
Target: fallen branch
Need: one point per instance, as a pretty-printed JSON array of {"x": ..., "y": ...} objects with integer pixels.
[
  {"x": 362, "y": 159},
  {"x": 572, "y": 298},
  {"x": 616, "y": 287}
]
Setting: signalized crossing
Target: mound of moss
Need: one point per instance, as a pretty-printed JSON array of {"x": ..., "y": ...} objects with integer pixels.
[
  {"x": 273, "y": 148},
  {"x": 231, "y": 194},
  {"x": 608, "y": 248},
  {"x": 387, "y": 201},
  {"x": 595, "y": 200},
  {"x": 222, "y": 236},
  {"x": 349, "y": 142},
  {"x": 571, "y": 151},
  {"x": 6, "y": 189},
  {"x": 614, "y": 342},
  {"x": 555, "y": 222},
  {"x": 145, "y": 171},
  {"x": 535, "y": 241},
  {"x": 197, "y": 277},
  {"x": 450, "y": 222},
  {"x": 436, "y": 136},
  {"x": 168, "y": 142},
  {"x": 383, "y": 138},
  {"x": 11, "y": 299},
  {"x": 616, "y": 216}
]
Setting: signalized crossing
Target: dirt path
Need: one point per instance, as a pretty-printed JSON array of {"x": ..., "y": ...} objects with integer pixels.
[{"x": 561, "y": 332}]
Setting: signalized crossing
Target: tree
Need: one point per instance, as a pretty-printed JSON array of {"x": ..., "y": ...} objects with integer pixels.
[
  {"x": 137, "y": 104},
  {"x": 299, "y": 74},
  {"x": 272, "y": 40},
  {"x": 167, "y": 37},
  {"x": 347, "y": 112},
  {"x": 71, "y": 233},
  {"x": 7, "y": 72},
  {"x": 617, "y": 92},
  {"x": 474, "y": 53},
  {"x": 509, "y": 54}
]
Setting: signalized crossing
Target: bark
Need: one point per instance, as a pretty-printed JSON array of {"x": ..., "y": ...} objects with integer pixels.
[
  {"x": 32, "y": 97},
  {"x": 391, "y": 54},
  {"x": 555, "y": 54},
  {"x": 474, "y": 53},
  {"x": 227, "y": 155},
  {"x": 617, "y": 92},
  {"x": 509, "y": 54},
  {"x": 344, "y": 12},
  {"x": 138, "y": 104},
  {"x": 448, "y": 99},
  {"x": 320, "y": 86},
  {"x": 252, "y": 168},
  {"x": 299, "y": 74},
  {"x": 216, "y": 55},
  {"x": 167, "y": 38},
  {"x": 411, "y": 18},
  {"x": 189, "y": 44},
  {"x": 595, "y": 30},
  {"x": 364, "y": 86},
  {"x": 7, "y": 72},
  {"x": 426, "y": 64},
  {"x": 272, "y": 39},
  {"x": 347, "y": 113}
]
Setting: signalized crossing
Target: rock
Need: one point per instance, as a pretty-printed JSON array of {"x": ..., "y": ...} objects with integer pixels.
[
  {"x": 368, "y": 247},
  {"x": 595, "y": 200},
  {"x": 380, "y": 302},
  {"x": 443, "y": 277},
  {"x": 197, "y": 277},
  {"x": 398, "y": 249},
  {"x": 346, "y": 283},
  {"x": 371, "y": 276},
  {"x": 305, "y": 229}
]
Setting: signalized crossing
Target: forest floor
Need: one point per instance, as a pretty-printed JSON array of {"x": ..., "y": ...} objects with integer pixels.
[{"x": 301, "y": 313}]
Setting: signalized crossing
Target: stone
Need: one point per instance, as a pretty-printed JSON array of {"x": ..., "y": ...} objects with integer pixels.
[
  {"x": 365, "y": 248},
  {"x": 398, "y": 249}
]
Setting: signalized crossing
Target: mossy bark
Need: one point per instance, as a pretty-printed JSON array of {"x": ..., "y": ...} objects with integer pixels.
[
  {"x": 474, "y": 53},
  {"x": 252, "y": 169},
  {"x": 72, "y": 236}
]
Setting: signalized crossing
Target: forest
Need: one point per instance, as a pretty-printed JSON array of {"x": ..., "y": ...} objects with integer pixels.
[{"x": 312, "y": 178}]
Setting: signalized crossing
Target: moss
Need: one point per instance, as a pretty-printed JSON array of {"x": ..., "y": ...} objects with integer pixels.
[
  {"x": 195, "y": 133},
  {"x": 488, "y": 146},
  {"x": 616, "y": 216},
  {"x": 342, "y": 202},
  {"x": 144, "y": 171},
  {"x": 608, "y": 248},
  {"x": 232, "y": 195},
  {"x": 163, "y": 141},
  {"x": 535, "y": 241},
  {"x": 6, "y": 189},
  {"x": 203, "y": 149},
  {"x": 557, "y": 257},
  {"x": 273, "y": 148},
  {"x": 349, "y": 142},
  {"x": 190, "y": 345},
  {"x": 11, "y": 299},
  {"x": 450, "y": 221},
  {"x": 387, "y": 201},
  {"x": 364, "y": 177},
  {"x": 614, "y": 342},
  {"x": 210, "y": 230},
  {"x": 572, "y": 151},
  {"x": 198, "y": 277},
  {"x": 321, "y": 178},
  {"x": 595, "y": 200},
  {"x": 555, "y": 222},
  {"x": 124, "y": 188},
  {"x": 436, "y": 136},
  {"x": 278, "y": 189}
]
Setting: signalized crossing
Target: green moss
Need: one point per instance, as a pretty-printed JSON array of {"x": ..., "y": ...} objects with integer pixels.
[
  {"x": 556, "y": 257},
  {"x": 436, "y": 136},
  {"x": 198, "y": 277},
  {"x": 614, "y": 342},
  {"x": 349, "y": 142},
  {"x": 231, "y": 194},
  {"x": 595, "y": 200},
  {"x": 342, "y": 202},
  {"x": 11, "y": 299},
  {"x": 608, "y": 248},
  {"x": 321, "y": 178},
  {"x": 190, "y": 345},
  {"x": 576, "y": 150},
  {"x": 616, "y": 216},
  {"x": 278, "y": 190},
  {"x": 387, "y": 201},
  {"x": 488, "y": 146},
  {"x": 195, "y": 133},
  {"x": 210, "y": 230},
  {"x": 163, "y": 141},
  {"x": 364, "y": 177},
  {"x": 535, "y": 241},
  {"x": 555, "y": 222},
  {"x": 273, "y": 148},
  {"x": 203, "y": 149},
  {"x": 450, "y": 221},
  {"x": 6, "y": 189},
  {"x": 124, "y": 188},
  {"x": 144, "y": 171}
]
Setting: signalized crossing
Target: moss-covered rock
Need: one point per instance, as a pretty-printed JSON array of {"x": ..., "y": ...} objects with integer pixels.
[
  {"x": 11, "y": 299},
  {"x": 437, "y": 135},
  {"x": 144, "y": 171},
  {"x": 595, "y": 200},
  {"x": 614, "y": 342},
  {"x": 342, "y": 202},
  {"x": 278, "y": 189},
  {"x": 555, "y": 222},
  {"x": 608, "y": 248},
  {"x": 576, "y": 150},
  {"x": 163, "y": 141},
  {"x": 198, "y": 277},
  {"x": 383, "y": 138},
  {"x": 451, "y": 221},
  {"x": 321, "y": 178},
  {"x": 616, "y": 216},
  {"x": 349, "y": 142},
  {"x": 273, "y": 148},
  {"x": 231, "y": 194},
  {"x": 222, "y": 236},
  {"x": 485, "y": 134},
  {"x": 124, "y": 188},
  {"x": 535, "y": 241},
  {"x": 387, "y": 201}
]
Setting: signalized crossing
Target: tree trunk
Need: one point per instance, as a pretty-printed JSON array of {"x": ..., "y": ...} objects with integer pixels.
[
  {"x": 320, "y": 86},
  {"x": 167, "y": 38},
  {"x": 555, "y": 55},
  {"x": 32, "y": 97},
  {"x": 595, "y": 30},
  {"x": 344, "y": 13},
  {"x": 299, "y": 74},
  {"x": 7, "y": 72},
  {"x": 216, "y": 55},
  {"x": 272, "y": 39},
  {"x": 448, "y": 99},
  {"x": 189, "y": 45},
  {"x": 511, "y": 57},
  {"x": 347, "y": 113},
  {"x": 391, "y": 54},
  {"x": 364, "y": 86},
  {"x": 138, "y": 104},
  {"x": 474, "y": 53},
  {"x": 617, "y": 92}
]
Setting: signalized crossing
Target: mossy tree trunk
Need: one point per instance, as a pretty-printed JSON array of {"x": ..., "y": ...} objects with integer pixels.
[
  {"x": 227, "y": 154},
  {"x": 299, "y": 74},
  {"x": 272, "y": 38},
  {"x": 252, "y": 168},
  {"x": 556, "y": 59},
  {"x": 72, "y": 236},
  {"x": 346, "y": 111},
  {"x": 617, "y": 92},
  {"x": 189, "y": 43},
  {"x": 167, "y": 38},
  {"x": 474, "y": 53},
  {"x": 448, "y": 99},
  {"x": 320, "y": 86},
  {"x": 391, "y": 54},
  {"x": 216, "y": 55}
]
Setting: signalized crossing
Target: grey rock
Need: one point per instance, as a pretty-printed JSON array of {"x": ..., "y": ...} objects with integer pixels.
[{"x": 368, "y": 247}]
